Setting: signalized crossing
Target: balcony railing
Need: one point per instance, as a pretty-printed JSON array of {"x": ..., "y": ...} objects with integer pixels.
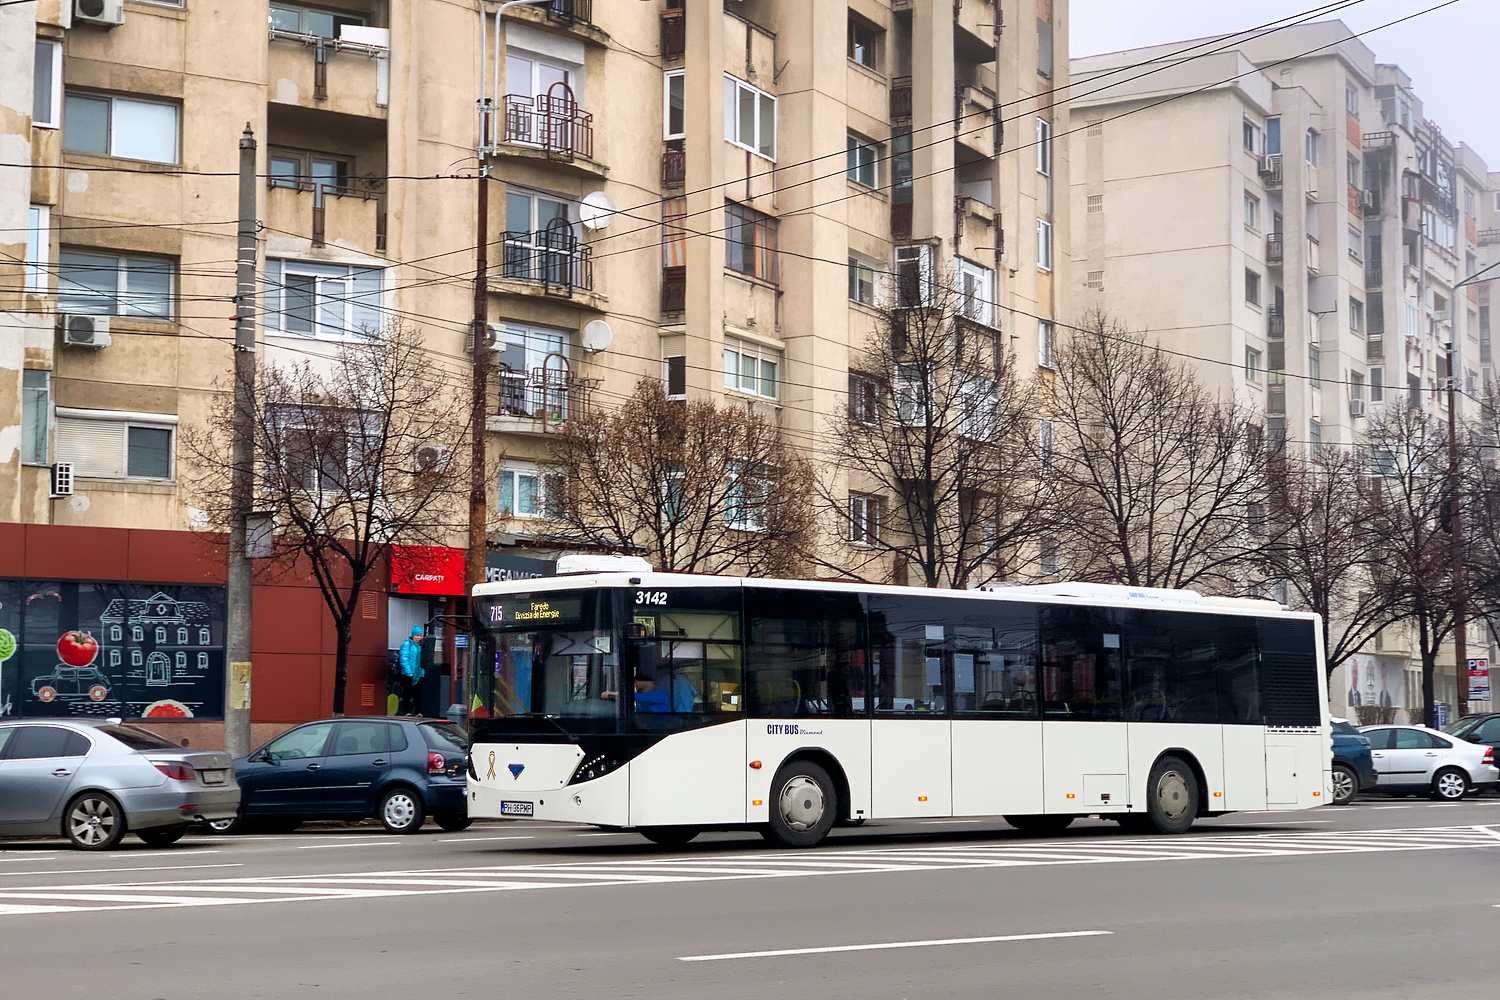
[
  {"x": 1270, "y": 169},
  {"x": 549, "y": 394},
  {"x": 1374, "y": 347},
  {"x": 673, "y": 33},
  {"x": 551, "y": 121},
  {"x": 901, "y": 221},
  {"x": 552, "y": 257},
  {"x": 1275, "y": 248},
  {"x": 1275, "y": 323},
  {"x": 1374, "y": 275},
  {"x": 569, "y": 11},
  {"x": 1378, "y": 140},
  {"x": 673, "y": 168},
  {"x": 901, "y": 100},
  {"x": 321, "y": 192},
  {"x": 1488, "y": 237},
  {"x": 673, "y": 291}
]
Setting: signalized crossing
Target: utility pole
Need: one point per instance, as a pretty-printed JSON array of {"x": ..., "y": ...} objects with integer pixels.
[
  {"x": 478, "y": 477},
  {"x": 1456, "y": 540},
  {"x": 241, "y": 489}
]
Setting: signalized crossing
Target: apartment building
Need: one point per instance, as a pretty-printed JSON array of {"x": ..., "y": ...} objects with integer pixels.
[
  {"x": 1313, "y": 225},
  {"x": 717, "y": 191}
]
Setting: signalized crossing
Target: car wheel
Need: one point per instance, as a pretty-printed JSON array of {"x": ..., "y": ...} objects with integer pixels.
[
  {"x": 224, "y": 827},
  {"x": 669, "y": 836},
  {"x": 1040, "y": 826},
  {"x": 803, "y": 804},
  {"x": 1172, "y": 796},
  {"x": 452, "y": 822},
  {"x": 1345, "y": 784},
  {"x": 1450, "y": 785},
  {"x": 46, "y": 694},
  {"x": 401, "y": 810},
  {"x": 98, "y": 692},
  {"x": 93, "y": 822},
  {"x": 161, "y": 836}
]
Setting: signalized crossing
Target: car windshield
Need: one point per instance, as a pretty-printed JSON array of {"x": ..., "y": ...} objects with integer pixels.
[
  {"x": 444, "y": 736},
  {"x": 1345, "y": 728},
  {"x": 137, "y": 738},
  {"x": 1460, "y": 726},
  {"x": 554, "y": 655}
]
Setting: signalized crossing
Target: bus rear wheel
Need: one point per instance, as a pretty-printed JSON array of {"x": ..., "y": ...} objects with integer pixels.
[
  {"x": 1040, "y": 826},
  {"x": 669, "y": 836},
  {"x": 1172, "y": 795},
  {"x": 804, "y": 805}
]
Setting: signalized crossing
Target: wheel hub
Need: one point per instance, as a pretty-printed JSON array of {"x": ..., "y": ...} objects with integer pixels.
[
  {"x": 1172, "y": 795},
  {"x": 399, "y": 810},
  {"x": 802, "y": 803}
]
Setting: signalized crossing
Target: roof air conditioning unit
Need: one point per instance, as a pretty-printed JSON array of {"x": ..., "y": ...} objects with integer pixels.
[
  {"x": 431, "y": 458},
  {"x": 107, "y": 13},
  {"x": 1356, "y": 407},
  {"x": 62, "y": 479},
  {"x": 85, "y": 331}
]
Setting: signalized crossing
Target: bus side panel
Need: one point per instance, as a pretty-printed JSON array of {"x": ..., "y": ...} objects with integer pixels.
[
  {"x": 692, "y": 778},
  {"x": 1244, "y": 767},
  {"x": 1081, "y": 763},
  {"x": 772, "y": 741},
  {"x": 1204, "y": 741},
  {"x": 997, "y": 767},
  {"x": 1294, "y": 769},
  {"x": 911, "y": 766}
]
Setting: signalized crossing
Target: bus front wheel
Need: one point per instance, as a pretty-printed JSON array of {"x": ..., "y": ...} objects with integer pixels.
[
  {"x": 1172, "y": 795},
  {"x": 804, "y": 805}
]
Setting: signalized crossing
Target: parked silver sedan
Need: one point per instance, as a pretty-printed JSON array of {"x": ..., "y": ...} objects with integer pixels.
[
  {"x": 92, "y": 780},
  {"x": 1414, "y": 759}
]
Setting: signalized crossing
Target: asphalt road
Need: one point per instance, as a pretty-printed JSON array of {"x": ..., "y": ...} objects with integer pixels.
[{"x": 1384, "y": 898}]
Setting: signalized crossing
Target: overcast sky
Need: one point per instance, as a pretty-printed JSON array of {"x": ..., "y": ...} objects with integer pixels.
[{"x": 1450, "y": 54}]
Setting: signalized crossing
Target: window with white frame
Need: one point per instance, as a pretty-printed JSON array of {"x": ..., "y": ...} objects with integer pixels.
[
  {"x": 1356, "y": 387},
  {"x": 311, "y": 20},
  {"x": 911, "y": 389},
  {"x": 1310, "y": 146},
  {"x": 1093, "y": 281},
  {"x": 1356, "y": 315},
  {"x": 38, "y": 248},
  {"x": 864, "y": 399},
  {"x": 322, "y": 300},
  {"x": 914, "y": 279},
  {"x": 747, "y": 499},
  {"x": 533, "y": 363},
  {"x": 674, "y": 374},
  {"x": 976, "y": 292},
  {"x": 1044, "y": 244},
  {"x": 1095, "y": 204},
  {"x": 1047, "y": 556},
  {"x": 1250, "y": 136},
  {"x": 1046, "y": 442},
  {"x": 36, "y": 409},
  {"x": 120, "y": 126},
  {"x": 1314, "y": 365},
  {"x": 1044, "y": 147},
  {"x": 863, "y": 160},
  {"x": 1314, "y": 432},
  {"x": 1351, "y": 101},
  {"x": 541, "y": 238},
  {"x": 1252, "y": 287},
  {"x": 46, "y": 84},
  {"x": 861, "y": 281},
  {"x": 674, "y": 105},
  {"x": 525, "y": 491},
  {"x": 107, "y": 444},
  {"x": 110, "y": 285},
  {"x": 1273, "y": 135},
  {"x": 1377, "y": 384},
  {"x": 1045, "y": 343},
  {"x": 978, "y": 400},
  {"x": 864, "y": 519},
  {"x": 749, "y": 117},
  {"x": 323, "y": 451},
  {"x": 1252, "y": 364},
  {"x": 1252, "y": 212},
  {"x": 1356, "y": 243},
  {"x": 751, "y": 368}
]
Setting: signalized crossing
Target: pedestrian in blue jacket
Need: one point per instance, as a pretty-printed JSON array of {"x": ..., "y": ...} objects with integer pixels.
[{"x": 411, "y": 671}]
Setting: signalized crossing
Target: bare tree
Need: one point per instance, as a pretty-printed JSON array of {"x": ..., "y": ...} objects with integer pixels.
[
  {"x": 351, "y": 458},
  {"x": 1158, "y": 481},
  {"x": 697, "y": 486},
  {"x": 937, "y": 448},
  {"x": 1318, "y": 539}
]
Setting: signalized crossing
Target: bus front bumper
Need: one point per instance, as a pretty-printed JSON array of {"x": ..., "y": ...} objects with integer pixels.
[{"x": 604, "y": 801}]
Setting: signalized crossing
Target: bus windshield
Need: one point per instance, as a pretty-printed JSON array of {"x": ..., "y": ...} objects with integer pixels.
[{"x": 554, "y": 655}]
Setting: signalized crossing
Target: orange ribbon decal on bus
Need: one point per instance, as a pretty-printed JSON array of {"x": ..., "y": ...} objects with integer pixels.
[{"x": 492, "y": 765}]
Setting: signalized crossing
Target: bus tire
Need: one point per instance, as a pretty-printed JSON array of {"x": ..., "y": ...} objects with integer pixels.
[
  {"x": 669, "y": 836},
  {"x": 1172, "y": 795},
  {"x": 1040, "y": 826},
  {"x": 804, "y": 804}
]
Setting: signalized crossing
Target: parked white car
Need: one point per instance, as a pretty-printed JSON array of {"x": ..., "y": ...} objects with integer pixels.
[{"x": 1410, "y": 760}]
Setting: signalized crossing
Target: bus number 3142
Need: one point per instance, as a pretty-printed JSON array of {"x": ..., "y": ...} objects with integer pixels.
[{"x": 658, "y": 597}]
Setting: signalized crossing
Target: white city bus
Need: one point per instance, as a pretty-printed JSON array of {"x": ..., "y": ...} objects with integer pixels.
[{"x": 672, "y": 704}]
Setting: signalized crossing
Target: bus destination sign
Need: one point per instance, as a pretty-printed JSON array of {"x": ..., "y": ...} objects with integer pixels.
[{"x": 536, "y": 611}]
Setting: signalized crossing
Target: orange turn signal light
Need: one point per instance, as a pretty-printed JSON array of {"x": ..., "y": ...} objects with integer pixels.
[
  {"x": 921, "y": 798},
  {"x": 755, "y": 765},
  {"x": 1218, "y": 795},
  {"x": 757, "y": 802},
  {"x": 1070, "y": 795},
  {"x": 1317, "y": 793}
]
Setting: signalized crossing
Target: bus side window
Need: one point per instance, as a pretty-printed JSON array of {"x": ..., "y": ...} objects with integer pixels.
[
  {"x": 1081, "y": 663},
  {"x": 805, "y": 653}
]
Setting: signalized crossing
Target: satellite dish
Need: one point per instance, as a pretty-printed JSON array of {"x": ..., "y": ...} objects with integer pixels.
[
  {"x": 597, "y": 210},
  {"x": 597, "y": 336}
]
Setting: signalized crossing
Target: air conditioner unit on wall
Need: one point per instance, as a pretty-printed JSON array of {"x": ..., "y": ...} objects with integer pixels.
[
  {"x": 1356, "y": 407},
  {"x": 431, "y": 458},
  {"x": 102, "y": 12},
  {"x": 62, "y": 479},
  {"x": 85, "y": 331}
]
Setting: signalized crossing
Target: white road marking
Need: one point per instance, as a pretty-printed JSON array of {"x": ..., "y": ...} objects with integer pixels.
[
  {"x": 352, "y": 843},
  {"x": 1487, "y": 831},
  {"x": 1283, "y": 822},
  {"x": 101, "y": 871},
  {"x": 473, "y": 840},
  {"x": 891, "y": 945},
  {"x": 945, "y": 822},
  {"x": 1390, "y": 807}
]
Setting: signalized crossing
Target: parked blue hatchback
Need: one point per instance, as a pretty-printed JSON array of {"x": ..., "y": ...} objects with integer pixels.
[
  {"x": 398, "y": 770},
  {"x": 1353, "y": 766}
]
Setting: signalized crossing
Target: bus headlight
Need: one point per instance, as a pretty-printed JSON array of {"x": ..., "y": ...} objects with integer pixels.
[{"x": 593, "y": 767}]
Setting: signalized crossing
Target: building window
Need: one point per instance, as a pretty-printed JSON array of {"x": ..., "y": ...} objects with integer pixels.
[
  {"x": 864, "y": 156},
  {"x": 976, "y": 292},
  {"x": 749, "y": 117},
  {"x": 749, "y": 242},
  {"x": 1044, "y": 244},
  {"x": 914, "y": 282},
  {"x": 304, "y": 171},
  {"x": 861, "y": 282},
  {"x": 1356, "y": 243},
  {"x": 1356, "y": 316},
  {"x": 526, "y": 492},
  {"x": 46, "y": 84},
  {"x": 1314, "y": 365},
  {"x": 120, "y": 126},
  {"x": 1045, "y": 343},
  {"x": 1252, "y": 287},
  {"x": 1252, "y": 364},
  {"x": 106, "y": 285},
  {"x": 1353, "y": 173},
  {"x": 1351, "y": 101},
  {"x": 1356, "y": 387},
  {"x": 322, "y": 300},
  {"x": 1439, "y": 230},
  {"x": 675, "y": 373},
  {"x": 1047, "y": 557},
  {"x": 674, "y": 103},
  {"x": 38, "y": 248},
  {"x": 135, "y": 654},
  {"x": 182, "y": 636},
  {"x": 1310, "y": 144},
  {"x": 310, "y": 21},
  {"x": 1044, "y": 47},
  {"x": 751, "y": 368},
  {"x": 1273, "y": 136},
  {"x": 106, "y": 445},
  {"x": 747, "y": 497},
  {"x": 864, "y": 38},
  {"x": 912, "y": 392},
  {"x": 533, "y": 366},
  {"x": 1252, "y": 212},
  {"x": 1044, "y": 147},
  {"x": 864, "y": 399},
  {"x": 202, "y": 661},
  {"x": 161, "y": 634},
  {"x": 204, "y": 637},
  {"x": 36, "y": 400},
  {"x": 1096, "y": 204},
  {"x": 1314, "y": 432},
  {"x": 1046, "y": 442},
  {"x": 1250, "y": 136},
  {"x": 1094, "y": 281},
  {"x": 864, "y": 519}
]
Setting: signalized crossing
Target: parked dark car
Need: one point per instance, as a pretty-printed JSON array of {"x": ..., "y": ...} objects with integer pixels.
[
  {"x": 398, "y": 770},
  {"x": 1353, "y": 766},
  {"x": 1483, "y": 729}
]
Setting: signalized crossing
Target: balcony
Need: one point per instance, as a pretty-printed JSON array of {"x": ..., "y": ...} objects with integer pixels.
[
  {"x": 542, "y": 400},
  {"x": 673, "y": 291},
  {"x": 551, "y": 122},
  {"x": 1270, "y": 170},
  {"x": 673, "y": 33},
  {"x": 673, "y": 168},
  {"x": 974, "y": 119},
  {"x": 1275, "y": 323},
  {"x": 1375, "y": 347},
  {"x": 1372, "y": 141},
  {"x": 1488, "y": 237},
  {"x": 552, "y": 258},
  {"x": 1371, "y": 201},
  {"x": 900, "y": 221},
  {"x": 901, "y": 100},
  {"x": 330, "y": 74},
  {"x": 1312, "y": 255},
  {"x": 1275, "y": 248},
  {"x": 349, "y": 217},
  {"x": 1374, "y": 274}
]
